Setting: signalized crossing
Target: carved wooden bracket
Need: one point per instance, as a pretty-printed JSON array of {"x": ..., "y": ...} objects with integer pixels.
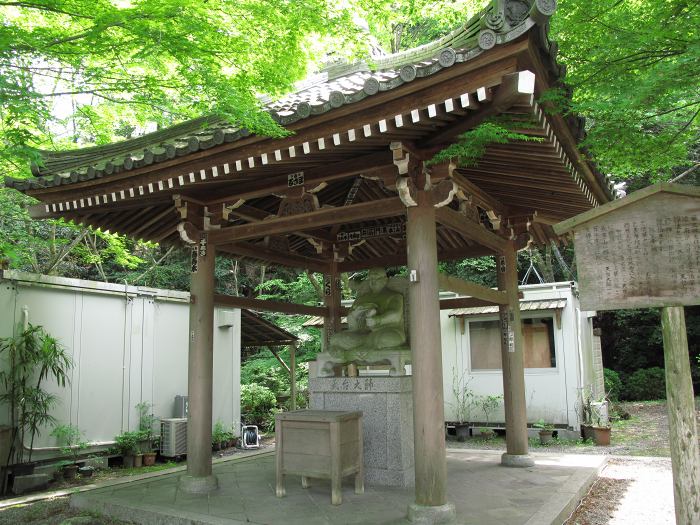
[
  {"x": 442, "y": 193},
  {"x": 188, "y": 232}
]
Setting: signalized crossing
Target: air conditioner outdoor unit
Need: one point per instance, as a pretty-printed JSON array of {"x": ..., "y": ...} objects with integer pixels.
[{"x": 173, "y": 437}]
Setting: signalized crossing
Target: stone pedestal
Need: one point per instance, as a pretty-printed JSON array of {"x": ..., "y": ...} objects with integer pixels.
[{"x": 387, "y": 408}]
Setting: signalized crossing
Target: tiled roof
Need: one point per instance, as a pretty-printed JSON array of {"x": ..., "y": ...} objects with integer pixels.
[{"x": 336, "y": 86}]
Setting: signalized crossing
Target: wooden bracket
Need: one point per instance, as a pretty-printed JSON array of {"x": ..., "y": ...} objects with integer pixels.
[
  {"x": 226, "y": 209},
  {"x": 188, "y": 232},
  {"x": 401, "y": 157},
  {"x": 443, "y": 193},
  {"x": 407, "y": 191}
]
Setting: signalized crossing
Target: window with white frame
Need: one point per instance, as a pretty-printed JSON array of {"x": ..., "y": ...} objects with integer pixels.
[{"x": 538, "y": 344}]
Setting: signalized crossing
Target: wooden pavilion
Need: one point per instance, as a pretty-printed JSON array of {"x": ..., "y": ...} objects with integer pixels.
[{"x": 349, "y": 189}]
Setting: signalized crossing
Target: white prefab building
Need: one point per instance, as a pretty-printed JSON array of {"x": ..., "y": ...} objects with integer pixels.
[
  {"x": 128, "y": 344},
  {"x": 561, "y": 353}
]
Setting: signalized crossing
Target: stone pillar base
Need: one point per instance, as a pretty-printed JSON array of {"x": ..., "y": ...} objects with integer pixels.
[
  {"x": 197, "y": 484},
  {"x": 517, "y": 460},
  {"x": 427, "y": 515}
]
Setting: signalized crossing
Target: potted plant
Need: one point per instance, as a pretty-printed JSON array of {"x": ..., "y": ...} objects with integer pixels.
[
  {"x": 32, "y": 356},
  {"x": 219, "y": 436},
  {"x": 71, "y": 441},
  {"x": 594, "y": 420},
  {"x": 546, "y": 431},
  {"x": 126, "y": 444},
  {"x": 146, "y": 422},
  {"x": 463, "y": 404},
  {"x": 601, "y": 429},
  {"x": 487, "y": 404}
]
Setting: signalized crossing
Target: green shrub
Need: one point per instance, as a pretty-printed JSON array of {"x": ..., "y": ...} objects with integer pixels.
[
  {"x": 613, "y": 384},
  {"x": 257, "y": 402},
  {"x": 645, "y": 384}
]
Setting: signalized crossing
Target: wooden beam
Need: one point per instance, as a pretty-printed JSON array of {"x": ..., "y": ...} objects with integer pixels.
[
  {"x": 471, "y": 230},
  {"x": 262, "y": 305},
  {"x": 378, "y": 209},
  {"x": 460, "y": 286},
  {"x": 262, "y": 253},
  {"x": 281, "y": 361}
]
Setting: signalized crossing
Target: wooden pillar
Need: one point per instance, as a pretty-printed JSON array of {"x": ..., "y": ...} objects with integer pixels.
[
  {"x": 331, "y": 298},
  {"x": 517, "y": 447},
  {"x": 293, "y": 376},
  {"x": 428, "y": 403},
  {"x": 683, "y": 431},
  {"x": 199, "y": 478}
]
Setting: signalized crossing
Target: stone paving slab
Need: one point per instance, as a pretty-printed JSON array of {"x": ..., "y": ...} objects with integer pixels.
[{"x": 483, "y": 492}]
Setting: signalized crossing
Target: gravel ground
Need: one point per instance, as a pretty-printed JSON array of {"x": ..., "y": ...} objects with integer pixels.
[{"x": 629, "y": 491}]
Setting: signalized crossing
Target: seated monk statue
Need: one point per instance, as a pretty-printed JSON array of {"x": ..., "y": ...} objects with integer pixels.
[{"x": 375, "y": 320}]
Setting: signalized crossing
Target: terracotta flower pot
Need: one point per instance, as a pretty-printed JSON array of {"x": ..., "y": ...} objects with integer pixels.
[
  {"x": 601, "y": 435},
  {"x": 545, "y": 436},
  {"x": 149, "y": 459}
]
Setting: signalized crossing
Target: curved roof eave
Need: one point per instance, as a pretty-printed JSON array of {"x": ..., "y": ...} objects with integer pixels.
[{"x": 498, "y": 24}]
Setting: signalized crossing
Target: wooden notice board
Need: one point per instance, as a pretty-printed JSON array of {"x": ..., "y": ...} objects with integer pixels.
[
  {"x": 641, "y": 251},
  {"x": 644, "y": 251}
]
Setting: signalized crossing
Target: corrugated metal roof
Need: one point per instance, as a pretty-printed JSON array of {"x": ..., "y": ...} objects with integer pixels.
[
  {"x": 317, "y": 321},
  {"x": 525, "y": 306}
]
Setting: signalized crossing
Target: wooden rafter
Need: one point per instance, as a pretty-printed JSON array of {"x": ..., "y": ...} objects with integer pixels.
[
  {"x": 255, "y": 251},
  {"x": 469, "y": 229}
]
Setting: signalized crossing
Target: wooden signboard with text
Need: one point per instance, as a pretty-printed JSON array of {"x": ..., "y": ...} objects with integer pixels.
[
  {"x": 644, "y": 251},
  {"x": 641, "y": 251}
]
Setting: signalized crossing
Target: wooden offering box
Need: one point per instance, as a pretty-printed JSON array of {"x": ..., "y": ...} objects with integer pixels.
[{"x": 319, "y": 444}]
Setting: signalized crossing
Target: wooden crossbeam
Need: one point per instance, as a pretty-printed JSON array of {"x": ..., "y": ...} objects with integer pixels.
[
  {"x": 471, "y": 230},
  {"x": 378, "y": 209},
  {"x": 460, "y": 286},
  {"x": 263, "y": 305},
  {"x": 263, "y": 253}
]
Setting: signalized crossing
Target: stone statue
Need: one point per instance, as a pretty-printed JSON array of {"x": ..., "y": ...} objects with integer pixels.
[
  {"x": 376, "y": 319},
  {"x": 377, "y": 330}
]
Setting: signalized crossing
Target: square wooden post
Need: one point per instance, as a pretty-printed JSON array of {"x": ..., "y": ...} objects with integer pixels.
[
  {"x": 682, "y": 424},
  {"x": 293, "y": 376},
  {"x": 331, "y": 298},
  {"x": 431, "y": 504},
  {"x": 200, "y": 373},
  {"x": 517, "y": 446}
]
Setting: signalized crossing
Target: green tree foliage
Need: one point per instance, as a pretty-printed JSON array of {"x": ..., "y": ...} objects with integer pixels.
[
  {"x": 635, "y": 71},
  {"x": 161, "y": 60}
]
